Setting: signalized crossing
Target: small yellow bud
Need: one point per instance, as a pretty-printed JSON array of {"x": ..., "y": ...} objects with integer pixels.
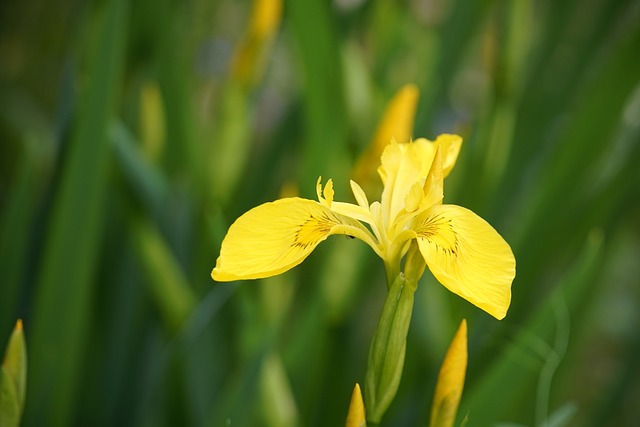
[{"x": 356, "y": 416}]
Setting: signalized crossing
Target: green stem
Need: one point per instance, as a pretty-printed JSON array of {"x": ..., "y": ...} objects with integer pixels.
[
  {"x": 386, "y": 355},
  {"x": 393, "y": 271}
]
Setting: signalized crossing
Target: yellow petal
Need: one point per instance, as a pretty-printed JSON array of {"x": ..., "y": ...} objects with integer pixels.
[
  {"x": 414, "y": 198},
  {"x": 402, "y": 166},
  {"x": 353, "y": 211},
  {"x": 275, "y": 237},
  {"x": 450, "y": 147},
  {"x": 433, "y": 186},
  {"x": 265, "y": 17},
  {"x": 356, "y": 416},
  {"x": 467, "y": 256},
  {"x": 450, "y": 381},
  {"x": 360, "y": 195},
  {"x": 319, "y": 190},
  {"x": 328, "y": 192}
]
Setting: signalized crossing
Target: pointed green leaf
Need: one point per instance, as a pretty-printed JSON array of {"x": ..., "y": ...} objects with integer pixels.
[
  {"x": 15, "y": 362},
  {"x": 278, "y": 402},
  {"x": 314, "y": 28},
  {"x": 9, "y": 402},
  {"x": 167, "y": 283}
]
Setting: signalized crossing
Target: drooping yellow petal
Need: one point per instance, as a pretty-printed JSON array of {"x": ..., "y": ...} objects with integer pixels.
[
  {"x": 467, "y": 256},
  {"x": 275, "y": 237},
  {"x": 450, "y": 381},
  {"x": 396, "y": 123},
  {"x": 356, "y": 416}
]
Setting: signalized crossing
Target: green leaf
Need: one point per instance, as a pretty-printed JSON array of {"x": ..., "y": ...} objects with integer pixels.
[
  {"x": 147, "y": 183},
  {"x": 168, "y": 285},
  {"x": 13, "y": 379},
  {"x": 14, "y": 227},
  {"x": 66, "y": 278},
  {"x": 15, "y": 362},
  {"x": 231, "y": 143},
  {"x": 326, "y": 132},
  {"x": 562, "y": 416},
  {"x": 10, "y": 408},
  {"x": 278, "y": 403}
]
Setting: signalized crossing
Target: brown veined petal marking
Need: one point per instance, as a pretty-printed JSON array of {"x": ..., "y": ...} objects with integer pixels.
[
  {"x": 467, "y": 256},
  {"x": 275, "y": 237}
]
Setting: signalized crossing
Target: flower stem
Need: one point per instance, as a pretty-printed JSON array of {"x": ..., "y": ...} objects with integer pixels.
[{"x": 386, "y": 355}]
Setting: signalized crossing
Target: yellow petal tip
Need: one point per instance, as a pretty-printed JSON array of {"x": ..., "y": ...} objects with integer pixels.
[
  {"x": 450, "y": 381},
  {"x": 356, "y": 416}
]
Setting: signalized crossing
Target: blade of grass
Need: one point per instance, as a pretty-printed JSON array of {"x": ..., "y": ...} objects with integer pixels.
[
  {"x": 543, "y": 225},
  {"x": 324, "y": 101},
  {"x": 556, "y": 79},
  {"x": 167, "y": 284},
  {"x": 182, "y": 154},
  {"x": 148, "y": 184},
  {"x": 15, "y": 225},
  {"x": 66, "y": 279}
]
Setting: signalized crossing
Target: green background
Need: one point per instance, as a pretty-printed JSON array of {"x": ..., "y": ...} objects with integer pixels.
[{"x": 107, "y": 243}]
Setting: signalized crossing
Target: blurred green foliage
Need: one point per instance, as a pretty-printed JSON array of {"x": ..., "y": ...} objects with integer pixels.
[
  {"x": 13, "y": 379},
  {"x": 128, "y": 147}
]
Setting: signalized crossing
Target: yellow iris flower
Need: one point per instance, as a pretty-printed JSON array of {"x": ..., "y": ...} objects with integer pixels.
[{"x": 462, "y": 250}]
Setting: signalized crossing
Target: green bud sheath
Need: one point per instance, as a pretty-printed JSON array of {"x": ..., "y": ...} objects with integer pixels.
[{"x": 386, "y": 356}]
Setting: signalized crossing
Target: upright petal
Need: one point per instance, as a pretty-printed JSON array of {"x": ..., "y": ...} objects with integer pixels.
[
  {"x": 450, "y": 381},
  {"x": 356, "y": 416},
  {"x": 467, "y": 256},
  {"x": 433, "y": 185},
  {"x": 402, "y": 166},
  {"x": 275, "y": 237},
  {"x": 450, "y": 147},
  {"x": 359, "y": 194}
]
